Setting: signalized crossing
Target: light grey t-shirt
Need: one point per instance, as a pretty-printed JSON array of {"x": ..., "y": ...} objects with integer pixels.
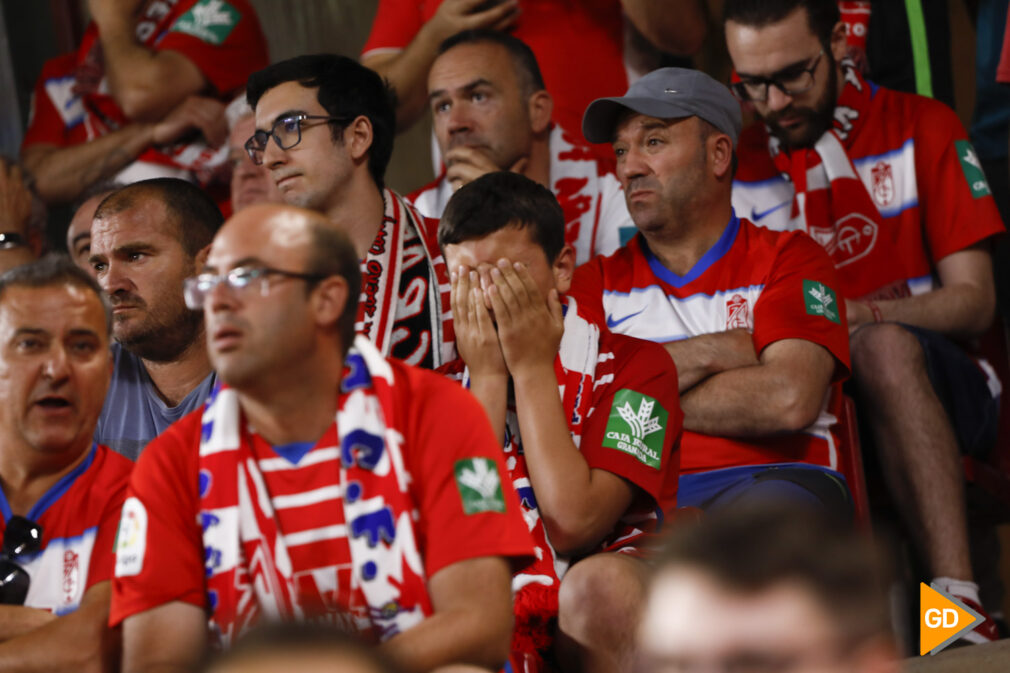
[{"x": 133, "y": 413}]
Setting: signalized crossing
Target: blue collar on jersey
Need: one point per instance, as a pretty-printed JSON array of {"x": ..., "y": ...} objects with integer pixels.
[
  {"x": 54, "y": 493},
  {"x": 713, "y": 255}
]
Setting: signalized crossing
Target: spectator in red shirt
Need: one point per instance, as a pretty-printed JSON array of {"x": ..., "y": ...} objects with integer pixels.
[
  {"x": 145, "y": 79},
  {"x": 318, "y": 469}
]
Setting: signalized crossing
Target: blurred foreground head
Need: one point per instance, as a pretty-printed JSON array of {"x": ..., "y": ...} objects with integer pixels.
[
  {"x": 767, "y": 590},
  {"x": 306, "y": 648}
]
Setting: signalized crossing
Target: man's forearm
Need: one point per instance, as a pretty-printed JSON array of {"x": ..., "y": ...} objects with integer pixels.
[
  {"x": 407, "y": 72},
  {"x": 750, "y": 402},
  {"x": 147, "y": 84},
  {"x": 79, "y": 643},
  {"x": 701, "y": 356},
  {"x": 957, "y": 311},
  {"x": 63, "y": 173},
  {"x": 17, "y": 620},
  {"x": 675, "y": 27},
  {"x": 574, "y": 508},
  {"x": 444, "y": 638},
  {"x": 492, "y": 393}
]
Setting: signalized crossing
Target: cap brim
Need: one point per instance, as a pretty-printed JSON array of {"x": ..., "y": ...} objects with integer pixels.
[{"x": 600, "y": 119}]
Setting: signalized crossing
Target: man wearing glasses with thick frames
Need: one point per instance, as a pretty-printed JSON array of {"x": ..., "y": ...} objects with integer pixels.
[
  {"x": 324, "y": 128},
  {"x": 890, "y": 185},
  {"x": 318, "y": 469},
  {"x": 61, "y": 493}
]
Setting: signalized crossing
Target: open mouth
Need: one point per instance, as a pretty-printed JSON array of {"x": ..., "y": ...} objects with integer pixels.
[{"x": 53, "y": 403}]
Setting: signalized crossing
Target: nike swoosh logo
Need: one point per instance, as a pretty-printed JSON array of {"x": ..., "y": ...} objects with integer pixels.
[
  {"x": 611, "y": 323},
  {"x": 755, "y": 215}
]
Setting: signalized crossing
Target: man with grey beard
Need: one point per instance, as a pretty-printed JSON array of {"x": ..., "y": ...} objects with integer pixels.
[{"x": 145, "y": 239}]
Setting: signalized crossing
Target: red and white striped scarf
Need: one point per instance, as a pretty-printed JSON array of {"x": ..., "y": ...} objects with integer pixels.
[
  {"x": 380, "y": 280},
  {"x": 831, "y": 202},
  {"x": 249, "y": 570},
  {"x": 536, "y": 586}
]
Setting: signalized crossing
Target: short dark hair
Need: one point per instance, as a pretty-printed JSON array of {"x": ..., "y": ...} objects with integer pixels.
[
  {"x": 194, "y": 214},
  {"x": 55, "y": 270},
  {"x": 297, "y": 638},
  {"x": 347, "y": 90},
  {"x": 750, "y": 549},
  {"x": 822, "y": 15},
  {"x": 504, "y": 199},
  {"x": 523, "y": 59},
  {"x": 333, "y": 254}
]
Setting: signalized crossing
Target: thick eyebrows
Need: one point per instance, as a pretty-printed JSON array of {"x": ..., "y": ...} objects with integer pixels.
[{"x": 469, "y": 86}]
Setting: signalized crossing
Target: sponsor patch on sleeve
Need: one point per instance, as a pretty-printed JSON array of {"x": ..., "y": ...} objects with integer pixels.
[
  {"x": 208, "y": 20},
  {"x": 821, "y": 300},
  {"x": 131, "y": 539},
  {"x": 479, "y": 485},
  {"x": 972, "y": 168},
  {"x": 637, "y": 426}
]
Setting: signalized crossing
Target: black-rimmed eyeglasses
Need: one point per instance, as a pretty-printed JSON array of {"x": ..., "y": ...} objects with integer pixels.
[
  {"x": 790, "y": 81},
  {"x": 196, "y": 289},
  {"x": 21, "y": 536},
  {"x": 286, "y": 132}
]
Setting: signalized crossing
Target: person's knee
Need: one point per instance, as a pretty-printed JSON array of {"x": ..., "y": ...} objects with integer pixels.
[
  {"x": 885, "y": 356},
  {"x": 600, "y": 598}
]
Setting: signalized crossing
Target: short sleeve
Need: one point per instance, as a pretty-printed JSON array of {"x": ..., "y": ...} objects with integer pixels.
[
  {"x": 644, "y": 450},
  {"x": 800, "y": 300},
  {"x": 587, "y": 290},
  {"x": 159, "y": 555},
  {"x": 954, "y": 196},
  {"x": 47, "y": 125},
  {"x": 223, "y": 38},
  {"x": 395, "y": 25},
  {"x": 468, "y": 506}
]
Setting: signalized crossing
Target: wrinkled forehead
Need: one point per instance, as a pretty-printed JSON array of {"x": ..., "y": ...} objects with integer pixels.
[
  {"x": 279, "y": 239},
  {"x": 464, "y": 64},
  {"x": 54, "y": 309}
]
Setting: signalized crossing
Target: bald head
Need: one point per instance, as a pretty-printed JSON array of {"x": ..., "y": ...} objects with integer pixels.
[{"x": 292, "y": 239}]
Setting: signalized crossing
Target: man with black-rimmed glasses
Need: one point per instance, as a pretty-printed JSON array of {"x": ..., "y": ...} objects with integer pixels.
[
  {"x": 60, "y": 493},
  {"x": 324, "y": 128},
  {"x": 890, "y": 185}
]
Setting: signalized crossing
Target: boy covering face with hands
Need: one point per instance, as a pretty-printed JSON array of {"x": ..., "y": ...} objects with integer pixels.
[{"x": 590, "y": 421}]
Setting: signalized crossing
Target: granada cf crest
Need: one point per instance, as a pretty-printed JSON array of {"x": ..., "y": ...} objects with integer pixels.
[
  {"x": 883, "y": 183},
  {"x": 737, "y": 313}
]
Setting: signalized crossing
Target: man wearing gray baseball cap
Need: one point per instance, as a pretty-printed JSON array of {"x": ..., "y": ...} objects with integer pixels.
[{"x": 749, "y": 315}]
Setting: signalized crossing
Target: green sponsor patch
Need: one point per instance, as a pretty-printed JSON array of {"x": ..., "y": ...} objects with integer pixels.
[
  {"x": 821, "y": 300},
  {"x": 637, "y": 426},
  {"x": 209, "y": 20},
  {"x": 972, "y": 168},
  {"x": 479, "y": 485}
]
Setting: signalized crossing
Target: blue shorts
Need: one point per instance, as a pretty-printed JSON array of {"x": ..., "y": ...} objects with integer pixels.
[{"x": 800, "y": 483}]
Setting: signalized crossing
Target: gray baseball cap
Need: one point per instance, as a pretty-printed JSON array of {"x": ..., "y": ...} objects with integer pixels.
[{"x": 667, "y": 93}]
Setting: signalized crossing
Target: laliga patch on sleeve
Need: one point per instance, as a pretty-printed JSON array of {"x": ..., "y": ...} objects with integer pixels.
[
  {"x": 479, "y": 485},
  {"x": 637, "y": 426},
  {"x": 131, "y": 539},
  {"x": 209, "y": 20},
  {"x": 972, "y": 168},
  {"x": 821, "y": 300}
]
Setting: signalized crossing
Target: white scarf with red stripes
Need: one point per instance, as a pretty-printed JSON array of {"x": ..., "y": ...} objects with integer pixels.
[{"x": 249, "y": 571}]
